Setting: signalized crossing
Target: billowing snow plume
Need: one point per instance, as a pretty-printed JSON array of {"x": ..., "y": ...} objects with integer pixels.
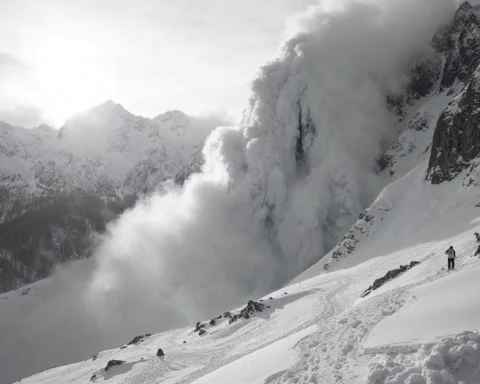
[{"x": 277, "y": 191}]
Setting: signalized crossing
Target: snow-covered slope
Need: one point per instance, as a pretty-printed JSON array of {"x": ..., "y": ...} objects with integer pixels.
[
  {"x": 303, "y": 173},
  {"x": 438, "y": 124},
  {"x": 417, "y": 328},
  {"x": 106, "y": 151}
]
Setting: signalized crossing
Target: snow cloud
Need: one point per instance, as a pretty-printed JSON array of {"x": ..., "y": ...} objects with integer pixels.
[
  {"x": 278, "y": 190},
  {"x": 272, "y": 201}
]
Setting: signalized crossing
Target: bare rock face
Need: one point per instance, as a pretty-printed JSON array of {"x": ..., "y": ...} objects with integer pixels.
[
  {"x": 423, "y": 79},
  {"x": 456, "y": 141},
  {"x": 461, "y": 45},
  {"x": 457, "y": 136}
]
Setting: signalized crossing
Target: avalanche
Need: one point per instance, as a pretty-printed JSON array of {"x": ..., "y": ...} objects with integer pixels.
[
  {"x": 418, "y": 328},
  {"x": 276, "y": 194},
  {"x": 278, "y": 191}
]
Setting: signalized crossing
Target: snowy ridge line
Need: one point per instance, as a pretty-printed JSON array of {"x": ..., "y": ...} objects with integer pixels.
[{"x": 106, "y": 151}]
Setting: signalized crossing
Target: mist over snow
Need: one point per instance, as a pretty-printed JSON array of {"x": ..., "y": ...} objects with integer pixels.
[{"x": 277, "y": 191}]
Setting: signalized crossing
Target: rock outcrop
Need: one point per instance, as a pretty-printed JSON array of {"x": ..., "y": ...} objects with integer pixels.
[
  {"x": 390, "y": 275},
  {"x": 113, "y": 363},
  {"x": 456, "y": 141}
]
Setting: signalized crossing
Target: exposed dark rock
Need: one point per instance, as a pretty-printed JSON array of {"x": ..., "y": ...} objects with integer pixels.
[
  {"x": 385, "y": 161},
  {"x": 390, "y": 275},
  {"x": 227, "y": 314},
  {"x": 306, "y": 135},
  {"x": 93, "y": 377},
  {"x": 423, "y": 79},
  {"x": 184, "y": 342},
  {"x": 94, "y": 357},
  {"x": 123, "y": 347},
  {"x": 460, "y": 46},
  {"x": 113, "y": 363},
  {"x": 160, "y": 352},
  {"x": 202, "y": 332},
  {"x": 456, "y": 140},
  {"x": 136, "y": 339},
  {"x": 212, "y": 322},
  {"x": 148, "y": 335},
  {"x": 199, "y": 326},
  {"x": 477, "y": 237},
  {"x": 249, "y": 310}
]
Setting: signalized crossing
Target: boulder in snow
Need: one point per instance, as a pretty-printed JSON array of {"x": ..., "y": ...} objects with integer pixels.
[{"x": 113, "y": 363}]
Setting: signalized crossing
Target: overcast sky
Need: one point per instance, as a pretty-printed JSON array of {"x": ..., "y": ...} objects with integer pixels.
[{"x": 58, "y": 57}]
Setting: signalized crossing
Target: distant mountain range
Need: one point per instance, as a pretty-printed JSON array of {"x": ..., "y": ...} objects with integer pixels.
[
  {"x": 58, "y": 187},
  {"x": 106, "y": 151}
]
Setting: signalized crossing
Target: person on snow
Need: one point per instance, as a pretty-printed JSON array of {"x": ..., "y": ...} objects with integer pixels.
[{"x": 451, "y": 258}]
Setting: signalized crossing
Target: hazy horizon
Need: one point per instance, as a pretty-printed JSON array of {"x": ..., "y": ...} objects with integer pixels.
[{"x": 59, "y": 58}]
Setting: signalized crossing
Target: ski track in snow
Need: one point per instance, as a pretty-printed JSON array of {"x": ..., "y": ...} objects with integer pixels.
[
  {"x": 318, "y": 328},
  {"x": 330, "y": 347},
  {"x": 335, "y": 353}
]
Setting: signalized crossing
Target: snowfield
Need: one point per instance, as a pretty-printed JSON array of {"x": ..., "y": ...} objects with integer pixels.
[{"x": 421, "y": 327}]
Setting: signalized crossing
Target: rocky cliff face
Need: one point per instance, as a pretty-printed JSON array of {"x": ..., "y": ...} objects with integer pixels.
[
  {"x": 440, "y": 113},
  {"x": 456, "y": 141}
]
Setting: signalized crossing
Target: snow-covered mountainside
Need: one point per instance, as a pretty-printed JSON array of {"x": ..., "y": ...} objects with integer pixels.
[
  {"x": 420, "y": 327},
  {"x": 440, "y": 123},
  {"x": 367, "y": 312},
  {"x": 106, "y": 151},
  {"x": 58, "y": 188}
]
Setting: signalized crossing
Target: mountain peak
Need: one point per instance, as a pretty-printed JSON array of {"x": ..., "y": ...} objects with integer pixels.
[
  {"x": 465, "y": 9},
  {"x": 43, "y": 127},
  {"x": 464, "y": 6},
  {"x": 174, "y": 114},
  {"x": 109, "y": 107}
]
